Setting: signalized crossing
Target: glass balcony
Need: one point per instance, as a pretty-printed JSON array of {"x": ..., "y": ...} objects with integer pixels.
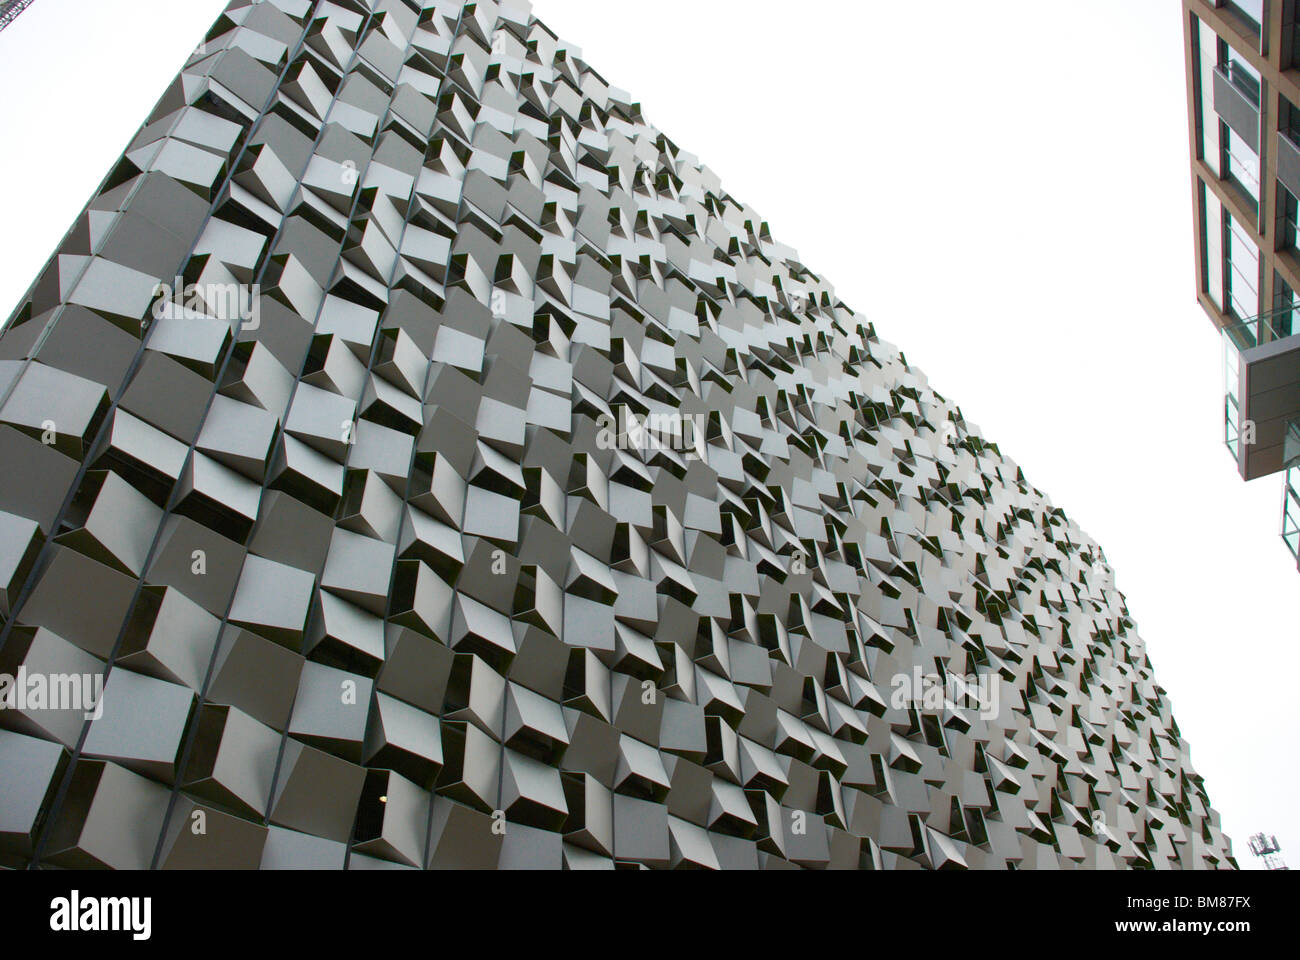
[
  {"x": 1273, "y": 325},
  {"x": 1291, "y": 513},
  {"x": 1237, "y": 337},
  {"x": 1231, "y": 421},
  {"x": 1261, "y": 409},
  {"x": 1291, "y": 446}
]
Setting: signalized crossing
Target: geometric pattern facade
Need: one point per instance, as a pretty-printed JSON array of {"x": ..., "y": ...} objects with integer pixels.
[{"x": 433, "y": 466}]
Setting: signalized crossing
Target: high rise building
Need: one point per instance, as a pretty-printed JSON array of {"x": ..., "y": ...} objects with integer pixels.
[
  {"x": 1243, "y": 102},
  {"x": 435, "y": 466}
]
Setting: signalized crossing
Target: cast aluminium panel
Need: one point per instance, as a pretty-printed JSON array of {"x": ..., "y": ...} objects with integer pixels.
[{"x": 434, "y": 466}]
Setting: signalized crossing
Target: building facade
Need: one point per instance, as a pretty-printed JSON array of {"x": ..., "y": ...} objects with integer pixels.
[
  {"x": 413, "y": 458},
  {"x": 1243, "y": 95}
]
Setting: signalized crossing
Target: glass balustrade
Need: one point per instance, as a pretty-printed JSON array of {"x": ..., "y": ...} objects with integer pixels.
[
  {"x": 1291, "y": 446},
  {"x": 1237, "y": 337},
  {"x": 1291, "y": 512}
]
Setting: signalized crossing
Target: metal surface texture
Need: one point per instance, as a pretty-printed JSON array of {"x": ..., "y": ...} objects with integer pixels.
[{"x": 434, "y": 466}]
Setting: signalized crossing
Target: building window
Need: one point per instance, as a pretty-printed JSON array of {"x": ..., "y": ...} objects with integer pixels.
[
  {"x": 1249, "y": 10},
  {"x": 1290, "y": 219},
  {"x": 1212, "y": 245},
  {"x": 1237, "y": 162},
  {"x": 1243, "y": 269},
  {"x": 1288, "y": 124},
  {"x": 1230, "y": 413},
  {"x": 1288, "y": 120},
  {"x": 1291, "y": 513},
  {"x": 1294, "y": 30},
  {"x": 1242, "y": 163},
  {"x": 1285, "y": 305},
  {"x": 1243, "y": 76},
  {"x": 1207, "y": 121}
]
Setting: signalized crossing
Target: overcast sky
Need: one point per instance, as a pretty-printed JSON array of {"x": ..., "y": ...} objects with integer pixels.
[{"x": 1002, "y": 188}]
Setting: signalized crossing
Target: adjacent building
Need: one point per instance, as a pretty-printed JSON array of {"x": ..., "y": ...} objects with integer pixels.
[
  {"x": 1243, "y": 86},
  {"x": 413, "y": 458}
]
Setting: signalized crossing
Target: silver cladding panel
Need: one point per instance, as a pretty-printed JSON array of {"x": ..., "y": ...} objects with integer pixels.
[{"x": 492, "y": 490}]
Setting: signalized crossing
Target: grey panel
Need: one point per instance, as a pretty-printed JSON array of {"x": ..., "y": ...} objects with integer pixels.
[{"x": 1236, "y": 110}]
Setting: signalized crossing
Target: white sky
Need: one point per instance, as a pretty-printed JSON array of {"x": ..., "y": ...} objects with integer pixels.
[{"x": 1002, "y": 188}]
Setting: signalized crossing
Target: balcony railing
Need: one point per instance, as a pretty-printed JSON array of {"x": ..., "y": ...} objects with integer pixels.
[
  {"x": 1274, "y": 325},
  {"x": 1291, "y": 513},
  {"x": 1245, "y": 81}
]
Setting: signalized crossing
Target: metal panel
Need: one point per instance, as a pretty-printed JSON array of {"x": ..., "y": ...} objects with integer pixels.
[
  {"x": 1288, "y": 164},
  {"x": 1236, "y": 109},
  {"x": 1270, "y": 400}
]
